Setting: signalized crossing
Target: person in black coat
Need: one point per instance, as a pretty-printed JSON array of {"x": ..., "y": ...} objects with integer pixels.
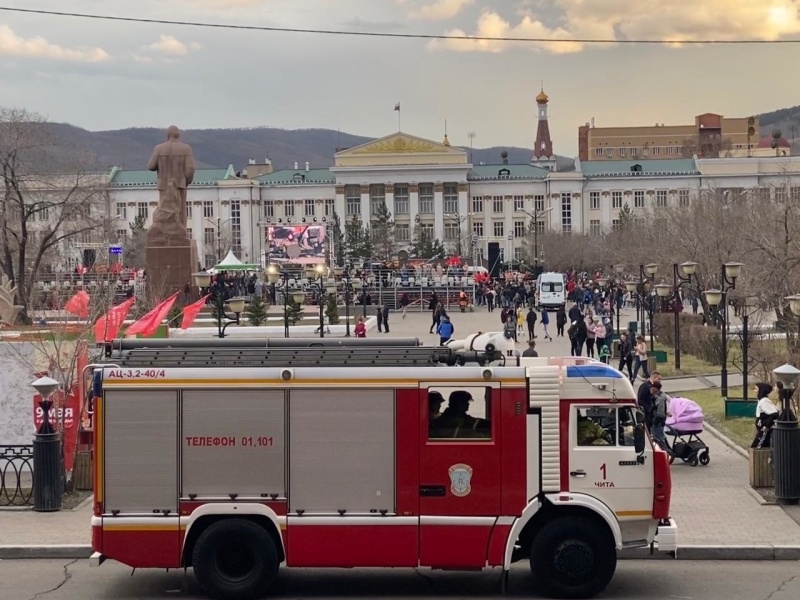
[
  {"x": 644, "y": 398},
  {"x": 530, "y": 319},
  {"x": 561, "y": 321},
  {"x": 379, "y": 314},
  {"x": 384, "y": 311}
]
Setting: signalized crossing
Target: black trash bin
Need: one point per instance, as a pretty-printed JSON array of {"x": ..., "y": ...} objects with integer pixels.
[{"x": 786, "y": 461}]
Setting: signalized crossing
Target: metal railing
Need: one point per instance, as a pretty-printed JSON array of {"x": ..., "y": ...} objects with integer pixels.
[{"x": 16, "y": 475}]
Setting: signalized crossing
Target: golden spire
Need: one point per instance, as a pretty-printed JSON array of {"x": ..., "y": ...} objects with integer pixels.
[{"x": 542, "y": 98}]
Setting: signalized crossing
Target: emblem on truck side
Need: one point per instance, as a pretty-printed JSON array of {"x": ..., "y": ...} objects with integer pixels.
[{"x": 460, "y": 477}]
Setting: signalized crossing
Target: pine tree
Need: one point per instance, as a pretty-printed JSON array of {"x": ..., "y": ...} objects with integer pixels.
[
  {"x": 257, "y": 311},
  {"x": 382, "y": 232},
  {"x": 294, "y": 311},
  {"x": 627, "y": 219},
  {"x": 135, "y": 246},
  {"x": 335, "y": 231},
  {"x": 357, "y": 239},
  {"x": 332, "y": 309}
]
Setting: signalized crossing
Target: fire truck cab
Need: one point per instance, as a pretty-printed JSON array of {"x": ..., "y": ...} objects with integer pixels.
[{"x": 237, "y": 463}]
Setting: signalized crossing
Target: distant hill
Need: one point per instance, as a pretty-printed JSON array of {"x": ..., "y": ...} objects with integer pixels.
[
  {"x": 131, "y": 148},
  {"x": 785, "y": 119}
]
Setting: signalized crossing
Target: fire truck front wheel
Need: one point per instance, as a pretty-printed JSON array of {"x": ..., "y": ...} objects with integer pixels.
[
  {"x": 573, "y": 557},
  {"x": 235, "y": 559}
]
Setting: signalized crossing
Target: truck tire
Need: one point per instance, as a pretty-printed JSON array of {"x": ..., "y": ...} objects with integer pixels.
[
  {"x": 572, "y": 557},
  {"x": 235, "y": 559}
]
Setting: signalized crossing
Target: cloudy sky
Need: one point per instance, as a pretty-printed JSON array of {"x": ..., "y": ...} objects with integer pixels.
[{"x": 109, "y": 75}]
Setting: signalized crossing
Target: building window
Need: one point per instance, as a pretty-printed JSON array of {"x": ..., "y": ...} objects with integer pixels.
[
  {"x": 401, "y": 200},
  {"x": 646, "y": 151},
  {"x": 598, "y": 152},
  {"x": 308, "y": 208},
  {"x": 189, "y": 232},
  {"x": 188, "y": 210},
  {"x": 498, "y": 228},
  {"x": 566, "y": 212},
  {"x": 288, "y": 208},
  {"x": 519, "y": 203},
  {"x": 236, "y": 225},
  {"x": 763, "y": 194},
  {"x": 142, "y": 211},
  {"x": 377, "y": 198},
  {"x": 609, "y": 152},
  {"x": 538, "y": 203},
  {"x": 780, "y": 194},
  {"x": 208, "y": 235},
  {"x": 451, "y": 199},
  {"x": 477, "y": 204},
  {"x": 477, "y": 228},
  {"x": 594, "y": 200},
  {"x": 426, "y": 199},
  {"x": 622, "y": 151},
  {"x": 426, "y": 232},
  {"x": 122, "y": 210},
  {"x": 594, "y": 227},
  {"x": 330, "y": 206},
  {"x": 683, "y": 197},
  {"x": 353, "y": 199},
  {"x": 451, "y": 231},
  {"x": 656, "y": 150},
  {"x": 539, "y": 226},
  {"x": 269, "y": 208},
  {"x": 519, "y": 229},
  {"x": 633, "y": 152},
  {"x": 638, "y": 199},
  {"x": 519, "y": 253},
  {"x": 670, "y": 149},
  {"x": 122, "y": 235},
  {"x": 795, "y": 193},
  {"x": 615, "y": 225},
  {"x": 661, "y": 198},
  {"x": 497, "y": 204},
  {"x": 44, "y": 212},
  {"x": 208, "y": 209},
  {"x": 401, "y": 233},
  {"x": 616, "y": 200}
]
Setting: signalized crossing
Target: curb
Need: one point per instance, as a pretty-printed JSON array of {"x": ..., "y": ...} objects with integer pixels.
[
  {"x": 61, "y": 551},
  {"x": 726, "y": 440},
  {"x": 80, "y": 551}
]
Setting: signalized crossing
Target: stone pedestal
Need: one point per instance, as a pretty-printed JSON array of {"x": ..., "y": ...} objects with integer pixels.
[{"x": 169, "y": 269}]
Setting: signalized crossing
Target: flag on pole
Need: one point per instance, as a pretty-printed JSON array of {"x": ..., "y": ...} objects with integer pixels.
[
  {"x": 397, "y": 107},
  {"x": 191, "y": 311},
  {"x": 107, "y": 326},
  {"x": 148, "y": 324},
  {"x": 78, "y": 305}
]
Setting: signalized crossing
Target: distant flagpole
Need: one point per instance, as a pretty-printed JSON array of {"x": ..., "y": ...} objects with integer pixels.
[{"x": 397, "y": 110}]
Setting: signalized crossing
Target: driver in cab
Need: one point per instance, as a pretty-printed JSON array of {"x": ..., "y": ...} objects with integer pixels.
[
  {"x": 591, "y": 433},
  {"x": 456, "y": 422}
]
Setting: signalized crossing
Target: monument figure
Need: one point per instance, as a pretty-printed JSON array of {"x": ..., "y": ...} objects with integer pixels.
[
  {"x": 173, "y": 163},
  {"x": 171, "y": 255}
]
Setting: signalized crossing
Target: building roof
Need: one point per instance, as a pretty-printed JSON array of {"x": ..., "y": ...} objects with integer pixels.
[
  {"x": 542, "y": 98},
  {"x": 496, "y": 172},
  {"x": 298, "y": 177},
  {"x": 625, "y": 168},
  {"x": 134, "y": 178}
]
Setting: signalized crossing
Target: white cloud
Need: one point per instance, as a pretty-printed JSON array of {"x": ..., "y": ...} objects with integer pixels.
[
  {"x": 13, "y": 45},
  {"x": 645, "y": 19},
  {"x": 172, "y": 46},
  {"x": 435, "y": 10}
]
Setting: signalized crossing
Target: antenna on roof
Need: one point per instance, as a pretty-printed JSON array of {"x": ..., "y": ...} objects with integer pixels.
[{"x": 471, "y": 135}]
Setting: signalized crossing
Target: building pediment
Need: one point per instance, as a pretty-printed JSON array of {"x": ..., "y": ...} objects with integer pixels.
[{"x": 400, "y": 149}]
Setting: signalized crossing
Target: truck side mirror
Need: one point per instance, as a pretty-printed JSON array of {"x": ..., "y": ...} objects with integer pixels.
[
  {"x": 639, "y": 417},
  {"x": 639, "y": 439}
]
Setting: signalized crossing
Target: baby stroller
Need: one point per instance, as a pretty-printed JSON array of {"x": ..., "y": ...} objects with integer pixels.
[{"x": 684, "y": 425}]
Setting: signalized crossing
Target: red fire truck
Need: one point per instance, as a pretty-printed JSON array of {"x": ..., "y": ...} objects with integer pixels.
[{"x": 237, "y": 462}]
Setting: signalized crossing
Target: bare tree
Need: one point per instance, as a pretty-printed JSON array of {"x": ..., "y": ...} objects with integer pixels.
[{"x": 49, "y": 197}]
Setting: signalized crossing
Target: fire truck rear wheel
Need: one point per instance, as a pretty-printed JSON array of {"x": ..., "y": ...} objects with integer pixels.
[
  {"x": 573, "y": 557},
  {"x": 235, "y": 559}
]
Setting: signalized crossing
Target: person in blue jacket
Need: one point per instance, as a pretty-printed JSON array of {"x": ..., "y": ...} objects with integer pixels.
[
  {"x": 445, "y": 330},
  {"x": 545, "y": 321}
]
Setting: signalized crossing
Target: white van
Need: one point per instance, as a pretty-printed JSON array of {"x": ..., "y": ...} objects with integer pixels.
[{"x": 551, "y": 292}]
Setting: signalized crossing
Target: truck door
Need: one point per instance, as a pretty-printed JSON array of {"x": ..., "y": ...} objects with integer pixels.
[
  {"x": 602, "y": 460},
  {"x": 460, "y": 478}
]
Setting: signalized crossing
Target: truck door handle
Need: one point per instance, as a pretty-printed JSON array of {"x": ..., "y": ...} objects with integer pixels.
[
  {"x": 579, "y": 473},
  {"x": 432, "y": 491}
]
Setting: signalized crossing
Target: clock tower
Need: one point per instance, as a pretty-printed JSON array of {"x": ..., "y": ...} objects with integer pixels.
[{"x": 543, "y": 149}]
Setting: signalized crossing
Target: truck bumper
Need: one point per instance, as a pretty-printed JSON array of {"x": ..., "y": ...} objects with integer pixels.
[{"x": 666, "y": 539}]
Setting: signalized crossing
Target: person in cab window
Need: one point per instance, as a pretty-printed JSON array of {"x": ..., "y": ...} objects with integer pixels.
[
  {"x": 590, "y": 433},
  {"x": 435, "y": 401},
  {"x": 455, "y": 421}
]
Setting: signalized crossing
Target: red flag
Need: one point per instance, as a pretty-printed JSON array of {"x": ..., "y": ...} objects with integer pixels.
[
  {"x": 191, "y": 311},
  {"x": 78, "y": 305},
  {"x": 148, "y": 324},
  {"x": 107, "y": 326}
]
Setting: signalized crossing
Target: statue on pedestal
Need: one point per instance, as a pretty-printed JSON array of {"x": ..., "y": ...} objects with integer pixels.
[{"x": 174, "y": 164}]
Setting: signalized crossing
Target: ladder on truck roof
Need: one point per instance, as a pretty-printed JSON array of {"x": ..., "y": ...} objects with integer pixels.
[{"x": 283, "y": 357}]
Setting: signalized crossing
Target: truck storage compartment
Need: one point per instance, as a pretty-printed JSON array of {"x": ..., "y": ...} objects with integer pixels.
[{"x": 233, "y": 443}]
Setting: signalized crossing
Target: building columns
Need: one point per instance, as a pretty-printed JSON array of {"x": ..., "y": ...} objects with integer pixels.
[{"x": 438, "y": 203}]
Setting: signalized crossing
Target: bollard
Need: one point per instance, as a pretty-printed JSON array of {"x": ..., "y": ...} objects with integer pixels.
[
  {"x": 786, "y": 461},
  {"x": 47, "y": 480}
]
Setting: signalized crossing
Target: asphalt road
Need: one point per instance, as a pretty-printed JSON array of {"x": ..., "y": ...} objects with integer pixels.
[{"x": 642, "y": 580}]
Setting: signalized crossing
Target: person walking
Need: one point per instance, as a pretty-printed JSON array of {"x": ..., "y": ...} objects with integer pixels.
[
  {"x": 521, "y": 320},
  {"x": 590, "y": 334},
  {"x": 645, "y": 398},
  {"x": 510, "y": 328},
  {"x": 561, "y": 320},
  {"x": 436, "y": 316},
  {"x": 361, "y": 329},
  {"x": 445, "y": 330},
  {"x": 531, "y": 318},
  {"x": 580, "y": 335},
  {"x": 626, "y": 354},
  {"x": 490, "y": 296},
  {"x": 640, "y": 358},
  {"x": 404, "y": 302},
  {"x": 599, "y": 335},
  {"x": 545, "y": 323}
]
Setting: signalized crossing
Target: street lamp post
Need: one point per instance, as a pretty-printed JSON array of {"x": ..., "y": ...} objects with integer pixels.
[
  {"x": 47, "y": 482},
  {"x": 678, "y": 281},
  {"x": 646, "y": 273},
  {"x": 786, "y": 434},
  {"x": 274, "y": 274},
  {"x": 348, "y": 287},
  {"x": 217, "y": 291},
  {"x": 316, "y": 277},
  {"x": 535, "y": 216},
  {"x": 729, "y": 273}
]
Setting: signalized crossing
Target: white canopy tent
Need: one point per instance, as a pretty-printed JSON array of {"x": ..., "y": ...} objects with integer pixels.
[{"x": 231, "y": 263}]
